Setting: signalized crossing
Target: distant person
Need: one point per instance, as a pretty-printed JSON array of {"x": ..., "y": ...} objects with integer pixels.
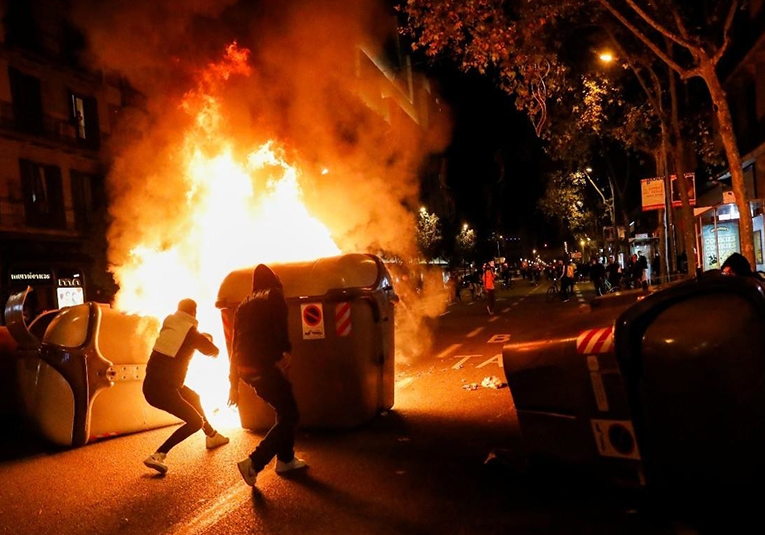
[
  {"x": 598, "y": 276},
  {"x": 164, "y": 386},
  {"x": 737, "y": 264},
  {"x": 567, "y": 280},
  {"x": 261, "y": 358},
  {"x": 614, "y": 272},
  {"x": 634, "y": 271},
  {"x": 656, "y": 269},
  {"x": 643, "y": 262},
  {"x": 488, "y": 283},
  {"x": 457, "y": 287}
]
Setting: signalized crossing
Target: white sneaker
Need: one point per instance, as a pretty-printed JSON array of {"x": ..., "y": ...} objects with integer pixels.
[
  {"x": 157, "y": 462},
  {"x": 248, "y": 474},
  {"x": 216, "y": 440},
  {"x": 294, "y": 464}
]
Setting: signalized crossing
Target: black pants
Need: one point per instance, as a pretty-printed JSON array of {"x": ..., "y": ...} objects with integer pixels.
[
  {"x": 492, "y": 300},
  {"x": 181, "y": 402},
  {"x": 565, "y": 284},
  {"x": 274, "y": 388}
]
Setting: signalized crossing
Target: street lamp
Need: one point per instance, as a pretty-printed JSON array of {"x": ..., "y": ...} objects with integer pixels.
[{"x": 606, "y": 57}]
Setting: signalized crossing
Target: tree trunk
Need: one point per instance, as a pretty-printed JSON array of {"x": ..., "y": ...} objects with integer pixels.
[
  {"x": 671, "y": 259},
  {"x": 663, "y": 273},
  {"x": 719, "y": 100},
  {"x": 678, "y": 152}
]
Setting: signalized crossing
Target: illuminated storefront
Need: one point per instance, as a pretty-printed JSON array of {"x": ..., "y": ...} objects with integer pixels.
[{"x": 719, "y": 234}]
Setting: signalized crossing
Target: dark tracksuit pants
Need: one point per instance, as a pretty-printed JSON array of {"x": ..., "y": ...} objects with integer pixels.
[
  {"x": 181, "y": 402},
  {"x": 276, "y": 390}
]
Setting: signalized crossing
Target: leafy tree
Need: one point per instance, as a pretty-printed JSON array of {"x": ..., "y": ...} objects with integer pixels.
[
  {"x": 428, "y": 234},
  {"x": 466, "y": 242},
  {"x": 565, "y": 201},
  {"x": 691, "y": 38},
  {"x": 520, "y": 43}
]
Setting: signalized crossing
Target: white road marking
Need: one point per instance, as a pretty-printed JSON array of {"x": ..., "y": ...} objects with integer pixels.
[
  {"x": 214, "y": 511},
  {"x": 463, "y": 360},
  {"x": 496, "y": 359},
  {"x": 494, "y": 318},
  {"x": 475, "y": 332},
  {"x": 445, "y": 313},
  {"x": 445, "y": 352}
]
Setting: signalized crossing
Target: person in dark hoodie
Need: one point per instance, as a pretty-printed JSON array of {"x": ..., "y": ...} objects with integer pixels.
[
  {"x": 737, "y": 264},
  {"x": 164, "y": 386},
  {"x": 260, "y": 358}
]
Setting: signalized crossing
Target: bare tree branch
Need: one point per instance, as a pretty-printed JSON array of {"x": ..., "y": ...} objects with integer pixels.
[
  {"x": 726, "y": 32},
  {"x": 653, "y": 97},
  {"x": 685, "y": 73},
  {"x": 658, "y": 27},
  {"x": 680, "y": 25}
]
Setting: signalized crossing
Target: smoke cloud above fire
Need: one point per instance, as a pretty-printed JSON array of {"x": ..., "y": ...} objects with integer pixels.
[{"x": 312, "y": 85}]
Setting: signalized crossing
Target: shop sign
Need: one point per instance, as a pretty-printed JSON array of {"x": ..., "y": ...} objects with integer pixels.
[{"x": 31, "y": 276}]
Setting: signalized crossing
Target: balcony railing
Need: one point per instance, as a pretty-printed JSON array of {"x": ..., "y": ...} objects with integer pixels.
[
  {"x": 53, "y": 129},
  {"x": 13, "y": 218},
  {"x": 12, "y": 215}
]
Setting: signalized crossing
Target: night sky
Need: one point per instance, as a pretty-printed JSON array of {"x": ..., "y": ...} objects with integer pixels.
[{"x": 490, "y": 133}]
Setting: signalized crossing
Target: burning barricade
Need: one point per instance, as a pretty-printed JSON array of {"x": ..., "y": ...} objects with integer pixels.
[
  {"x": 341, "y": 325},
  {"x": 80, "y": 371}
]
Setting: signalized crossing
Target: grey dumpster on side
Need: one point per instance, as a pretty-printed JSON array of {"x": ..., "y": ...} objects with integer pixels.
[
  {"x": 341, "y": 323},
  {"x": 670, "y": 395},
  {"x": 571, "y": 404},
  {"x": 82, "y": 381},
  {"x": 693, "y": 360}
]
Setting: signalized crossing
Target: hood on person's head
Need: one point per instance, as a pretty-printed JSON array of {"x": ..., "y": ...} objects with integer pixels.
[
  {"x": 263, "y": 278},
  {"x": 738, "y": 264},
  {"x": 189, "y": 306}
]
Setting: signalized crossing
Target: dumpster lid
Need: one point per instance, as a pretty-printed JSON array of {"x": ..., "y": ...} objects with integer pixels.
[
  {"x": 312, "y": 278},
  {"x": 14, "y": 319}
]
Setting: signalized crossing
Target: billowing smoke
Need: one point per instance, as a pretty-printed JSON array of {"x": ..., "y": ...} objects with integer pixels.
[{"x": 311, "y": 86}]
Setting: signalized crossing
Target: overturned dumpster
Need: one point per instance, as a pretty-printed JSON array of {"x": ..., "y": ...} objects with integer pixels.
[
  {"x": 669, "y": 395},
  {"x": 80, "y": 371},
  {"x": 341, "y": 325}
]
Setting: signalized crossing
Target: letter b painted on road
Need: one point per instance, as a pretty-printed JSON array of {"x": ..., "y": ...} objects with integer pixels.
[{"x": 499, "y": 339}]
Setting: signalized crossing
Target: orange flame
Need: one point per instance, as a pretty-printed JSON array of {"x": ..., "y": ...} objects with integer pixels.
[{"x": 234, "y": 214}]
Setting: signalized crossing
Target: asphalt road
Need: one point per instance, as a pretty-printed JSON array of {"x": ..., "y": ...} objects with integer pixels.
[{"x": 420, "y": 468}]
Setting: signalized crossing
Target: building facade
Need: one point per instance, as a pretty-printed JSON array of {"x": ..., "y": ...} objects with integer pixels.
[{"x": 55, "y": 122}]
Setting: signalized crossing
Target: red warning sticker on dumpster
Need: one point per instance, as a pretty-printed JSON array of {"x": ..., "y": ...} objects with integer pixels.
[
  {"x": 343, "y": 319},
  {"x": 312, "y": 317},
  {"x": 595, "y": 341}
]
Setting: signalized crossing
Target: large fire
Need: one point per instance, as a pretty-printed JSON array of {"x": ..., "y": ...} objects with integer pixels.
[{"x": 236, "y": 213}]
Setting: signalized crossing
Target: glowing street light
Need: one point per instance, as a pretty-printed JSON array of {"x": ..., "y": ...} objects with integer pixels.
[{"x": 606, "y": 57}]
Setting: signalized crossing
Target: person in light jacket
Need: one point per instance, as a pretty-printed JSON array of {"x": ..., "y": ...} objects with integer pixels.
[{"x": 164, "y": 386}]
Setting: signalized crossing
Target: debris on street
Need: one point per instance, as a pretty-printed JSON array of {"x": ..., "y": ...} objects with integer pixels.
[{"x": 492, "y": 382}]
